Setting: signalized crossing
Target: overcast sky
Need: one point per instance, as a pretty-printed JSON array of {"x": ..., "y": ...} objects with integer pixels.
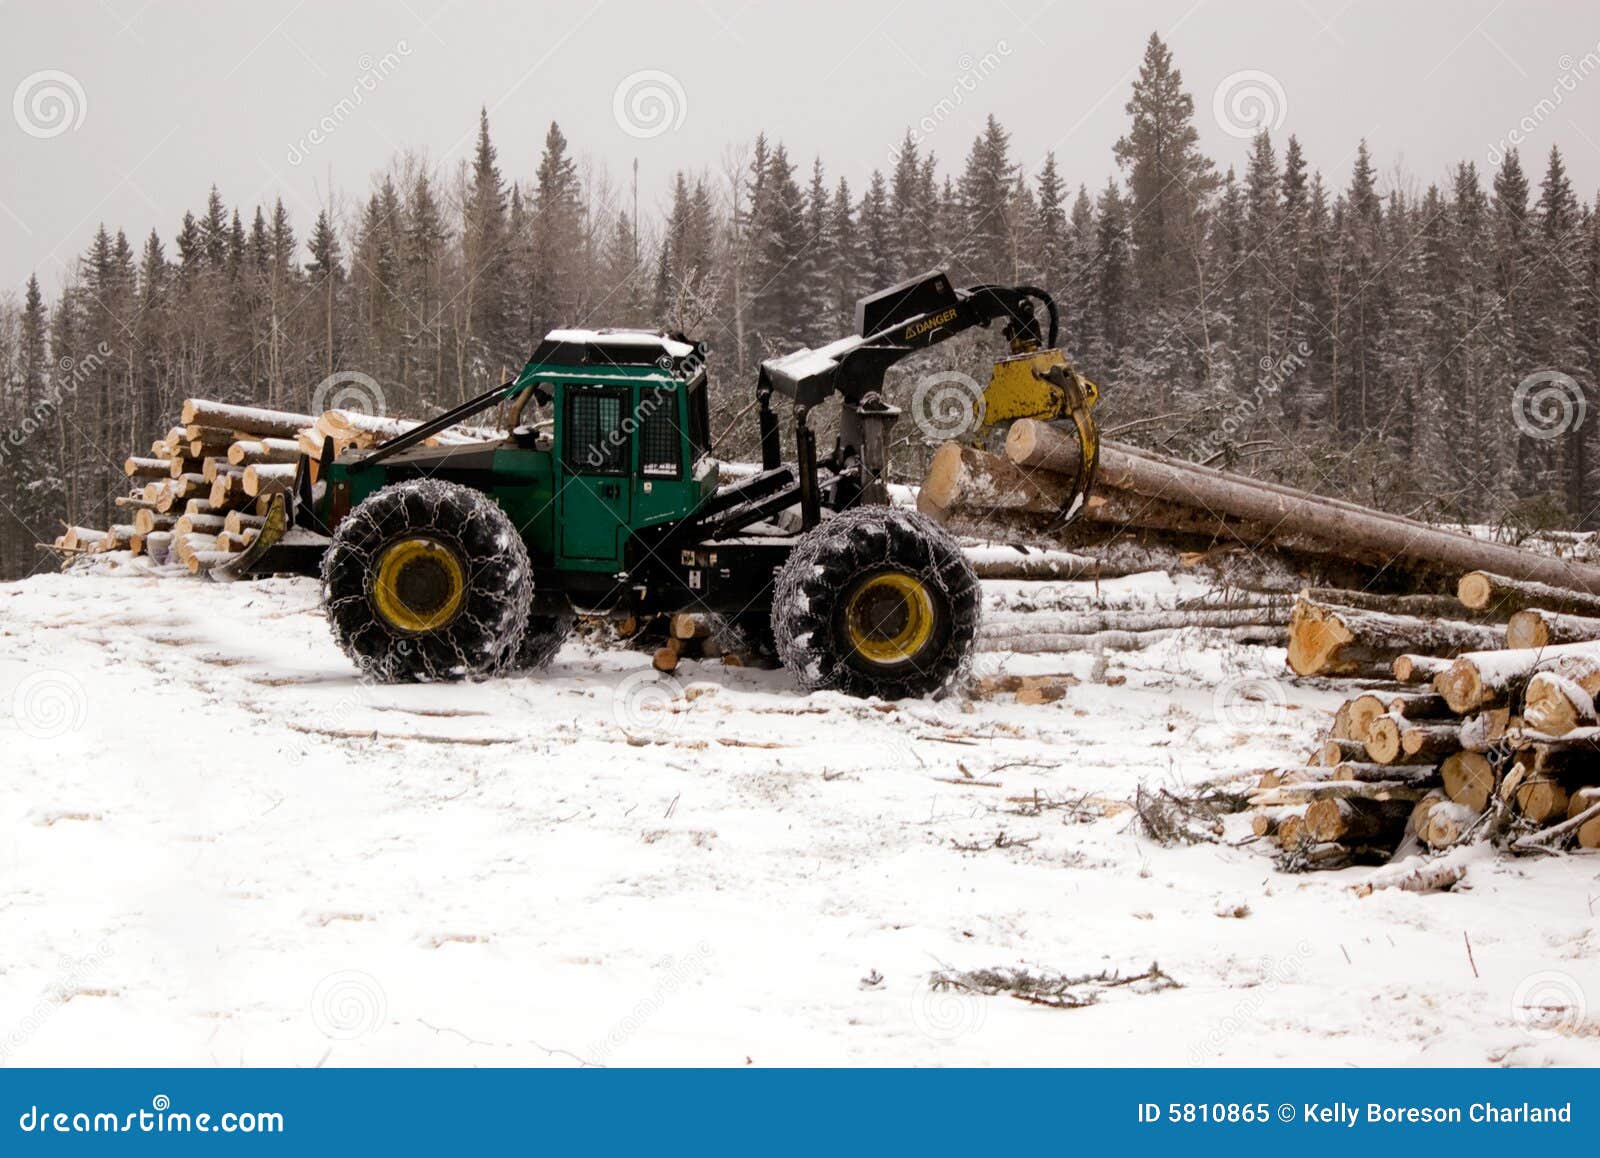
[{"x": 125, "y": 111}]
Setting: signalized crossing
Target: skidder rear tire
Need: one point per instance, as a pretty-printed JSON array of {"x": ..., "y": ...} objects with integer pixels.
[
  {"x": 427, "y": 580},
  {"x": 876, "y": 602}
]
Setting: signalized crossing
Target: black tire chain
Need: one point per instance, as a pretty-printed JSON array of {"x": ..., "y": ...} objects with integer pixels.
[
  {"x": 822, "y": 566},
  {"x": 483, "y": 637}
]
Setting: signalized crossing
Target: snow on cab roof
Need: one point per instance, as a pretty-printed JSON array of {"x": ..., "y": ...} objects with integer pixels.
[{"x": 623, "y": 338}]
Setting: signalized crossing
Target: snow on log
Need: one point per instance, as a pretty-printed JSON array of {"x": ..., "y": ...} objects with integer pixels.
[
  {"x": 254, "y": 420},
  {"x": 1446, "y": 823},
  {"x": 1556, "y": 705},
  {"x": 268, "y": 480},
  {"x": 1535, "y": 627},
  {"x": 146, "y": 468},
  {"x": 263, "y": 451},
  {"x": 1327, "y": 640},
  {"x": 1492, "y": 678},
  {"x": 1056, "y": 642},
  {"x": 1001, "y": 562},
  {"x": 1416, "y": 669},
  {"x": 1504, "y": 594}
]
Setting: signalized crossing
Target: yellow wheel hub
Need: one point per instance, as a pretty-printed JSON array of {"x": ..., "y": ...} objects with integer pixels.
[
  {"x": 419, "y": 585},
  {"x": 889, "y": 618}
]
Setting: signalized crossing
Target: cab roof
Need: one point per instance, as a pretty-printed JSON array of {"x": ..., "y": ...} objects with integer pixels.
[{"x": 602, "y": 354}]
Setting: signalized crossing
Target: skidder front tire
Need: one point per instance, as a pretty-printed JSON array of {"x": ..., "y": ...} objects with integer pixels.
[
  {"x": 427, "y": 580},
  {"x": 876, "y": 602}
]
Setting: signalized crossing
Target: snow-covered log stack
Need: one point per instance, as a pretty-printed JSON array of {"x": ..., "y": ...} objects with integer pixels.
[
  {"x": 1469, "y": 739},
  {"x": 204, "y": 486}
]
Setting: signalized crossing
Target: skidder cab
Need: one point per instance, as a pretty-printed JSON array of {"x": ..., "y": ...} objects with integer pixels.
[{"x": 445, "y": 561}]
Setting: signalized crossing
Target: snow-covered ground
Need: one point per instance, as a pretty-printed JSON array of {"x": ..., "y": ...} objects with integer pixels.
[{"x": 220, "y": 847}]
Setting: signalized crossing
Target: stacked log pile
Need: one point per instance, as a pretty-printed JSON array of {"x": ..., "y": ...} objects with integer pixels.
[
  {"x": 1476, "y": 722},
  {"x": 201, "y": 492}
]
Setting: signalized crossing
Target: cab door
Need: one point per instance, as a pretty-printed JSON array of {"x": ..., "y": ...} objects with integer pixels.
[{"x": 596, "y": 465}]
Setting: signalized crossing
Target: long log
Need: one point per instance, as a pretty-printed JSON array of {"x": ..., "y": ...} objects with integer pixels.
[
  {"x": 1355, "y": 820},
  {"x": 1505, "y": 594},
  {"x": 267, "y": 480},
  {"x": 1392, "y": 739},
  {"x": 264, "y": 451},
  {"x": 963, "y": 478},
  {"x": 1345, "y": 525},
  {"x": 1325, "y": 640},
  {"x": 145, "y": 521},
  {"x": 1047, "y": 642},
  {"x": 1418, "y": 669},
  {"x": 1004, "y": 624},
  {"x": 255, "y": 420},
  {"x": 146, "y": 468},
  {"x": 1014, "y": 563},
  {"x": 1536, "y": 627},
  {"x": 1493, "y": 678}
]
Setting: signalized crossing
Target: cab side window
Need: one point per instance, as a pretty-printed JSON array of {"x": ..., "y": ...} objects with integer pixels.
[
  {"x": 596, "y": 432},
  {"x": 659, "y": 437}
]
